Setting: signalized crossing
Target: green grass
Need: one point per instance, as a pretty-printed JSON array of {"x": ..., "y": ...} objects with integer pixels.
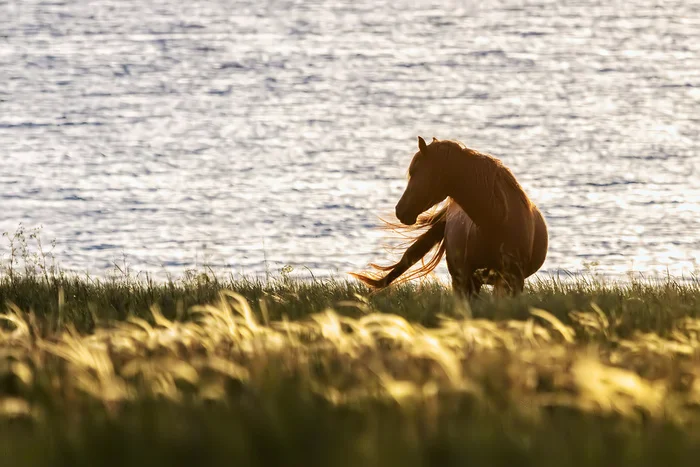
[
  {"x": 287, "y": 372},
  {"x": 635, "y": 305}
]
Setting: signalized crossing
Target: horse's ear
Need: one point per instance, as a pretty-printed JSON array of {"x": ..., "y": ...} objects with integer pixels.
[
  {"x": 435, "y": 140},
  {"x": 421, "y": 144}
]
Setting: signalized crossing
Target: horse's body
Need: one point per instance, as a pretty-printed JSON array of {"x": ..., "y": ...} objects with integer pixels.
[{"x": 489, "y": 229}]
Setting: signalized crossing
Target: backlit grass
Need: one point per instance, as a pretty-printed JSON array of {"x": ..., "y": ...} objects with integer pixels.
[{"x": 289, "y": 372}]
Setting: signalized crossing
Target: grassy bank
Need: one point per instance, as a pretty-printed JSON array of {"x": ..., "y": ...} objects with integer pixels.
[
  {"x": 634, "y": 305},
  {"x": 288, "y": 372}
]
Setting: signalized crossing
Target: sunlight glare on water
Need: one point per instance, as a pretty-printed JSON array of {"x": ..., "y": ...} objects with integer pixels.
[{"x": 248, "y": 135}]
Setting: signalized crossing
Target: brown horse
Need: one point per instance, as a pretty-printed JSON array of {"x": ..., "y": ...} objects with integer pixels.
[{"x": 488, "y": 227}]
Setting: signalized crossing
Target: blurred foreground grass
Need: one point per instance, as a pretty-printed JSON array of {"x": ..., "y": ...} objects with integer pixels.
[{"x": 288, "y": 372}]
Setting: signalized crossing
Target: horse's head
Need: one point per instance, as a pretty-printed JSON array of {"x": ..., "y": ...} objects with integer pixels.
[{"x": 426, "y": 182}]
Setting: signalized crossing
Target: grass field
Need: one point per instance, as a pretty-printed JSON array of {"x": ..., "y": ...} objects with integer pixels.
[
  {"x": 318, "y": 373},
  {"x": 211, "y": 371}
]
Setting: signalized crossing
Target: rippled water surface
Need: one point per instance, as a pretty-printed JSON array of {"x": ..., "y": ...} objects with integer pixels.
[{"x": 252, "y": 134}]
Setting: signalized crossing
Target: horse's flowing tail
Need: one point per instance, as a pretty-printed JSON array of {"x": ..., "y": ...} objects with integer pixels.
[{"x": 418, "y": 247}]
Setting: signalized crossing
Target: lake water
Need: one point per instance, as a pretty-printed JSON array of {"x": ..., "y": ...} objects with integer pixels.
[{"x": 248, "y": 135}]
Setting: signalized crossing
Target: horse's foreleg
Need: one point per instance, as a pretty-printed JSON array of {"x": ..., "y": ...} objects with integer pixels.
[
  {"x": 463, "y": 289},
  {"x": 509, "y": 283},
  {"x": 465, "y": 286}
]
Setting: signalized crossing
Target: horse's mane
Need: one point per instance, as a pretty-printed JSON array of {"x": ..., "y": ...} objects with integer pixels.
[
  {"x": 491, "y": 169},
  {"x": 507, "y": 178}
]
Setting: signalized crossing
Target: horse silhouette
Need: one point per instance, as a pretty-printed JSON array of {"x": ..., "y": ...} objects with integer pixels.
[{"x": 488, "y": 228}]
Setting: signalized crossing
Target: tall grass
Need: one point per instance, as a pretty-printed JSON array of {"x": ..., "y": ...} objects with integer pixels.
[
  {"x": 230, "y": 383},
  {"x": 636, "y": 305},
  {"x": 323, "y": 372}
]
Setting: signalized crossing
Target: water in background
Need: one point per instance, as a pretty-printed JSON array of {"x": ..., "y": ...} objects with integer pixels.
[{"x": 252, "y": 134}]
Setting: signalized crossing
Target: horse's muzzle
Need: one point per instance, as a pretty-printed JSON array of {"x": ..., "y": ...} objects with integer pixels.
[{"x": 404, "y": 218}]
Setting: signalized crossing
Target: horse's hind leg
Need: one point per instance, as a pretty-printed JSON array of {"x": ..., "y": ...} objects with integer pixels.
[
  {"x": 509, "y": 283},
  {"x": 517, "y": 284},
  {"x": 516, "y": 277}
]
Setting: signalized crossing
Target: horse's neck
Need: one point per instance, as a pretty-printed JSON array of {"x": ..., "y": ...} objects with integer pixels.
[{"x": 472, "y": 187}]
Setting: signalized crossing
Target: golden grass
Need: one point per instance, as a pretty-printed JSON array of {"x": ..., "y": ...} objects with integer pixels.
[{"x": 532, "y": 365}]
